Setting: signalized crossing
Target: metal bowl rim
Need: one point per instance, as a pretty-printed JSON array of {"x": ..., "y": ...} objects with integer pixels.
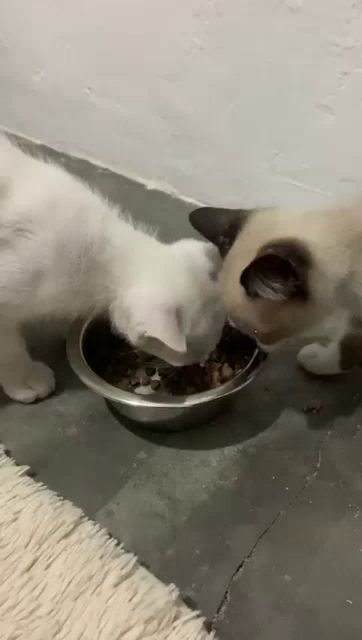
[{"x": 82, "y": 369}]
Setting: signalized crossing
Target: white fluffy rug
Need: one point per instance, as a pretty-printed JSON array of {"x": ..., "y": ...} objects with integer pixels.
[{"x": 63, "y": 578}]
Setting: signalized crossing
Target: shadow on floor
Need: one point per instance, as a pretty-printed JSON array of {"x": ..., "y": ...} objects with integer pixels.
[{"x": 281, "y": 386}]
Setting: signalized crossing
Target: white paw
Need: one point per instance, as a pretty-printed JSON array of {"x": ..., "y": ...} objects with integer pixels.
[
  {"x": 33, "y": 382},
  {"x": 320, "y": 360}
]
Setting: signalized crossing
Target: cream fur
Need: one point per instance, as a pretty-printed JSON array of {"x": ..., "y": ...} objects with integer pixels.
[{"x": 286, "y": 272}]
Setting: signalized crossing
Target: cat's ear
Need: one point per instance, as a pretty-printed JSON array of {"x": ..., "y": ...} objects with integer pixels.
[
  {"x": 219, "y": 226},
  {"x": 279, "y": 272},
  {"x": 162, "y": 323}
]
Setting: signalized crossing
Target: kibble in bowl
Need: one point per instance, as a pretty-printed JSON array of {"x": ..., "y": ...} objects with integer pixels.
[
  {"x": 149, "y": 391},
  {"x": 138, "y": 372}
]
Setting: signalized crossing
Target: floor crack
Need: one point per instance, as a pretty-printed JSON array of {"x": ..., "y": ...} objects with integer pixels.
[{"x": 311, "y": 477}]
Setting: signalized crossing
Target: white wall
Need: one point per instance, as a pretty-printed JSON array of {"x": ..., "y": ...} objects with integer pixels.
[{"x": 228, "y": 101}]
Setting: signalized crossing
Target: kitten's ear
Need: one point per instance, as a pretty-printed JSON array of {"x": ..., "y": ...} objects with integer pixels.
[
  {"x": 279, "y": 272},
  {"x": 162, "y": 323},
  {"x": 219, "y": 226}
]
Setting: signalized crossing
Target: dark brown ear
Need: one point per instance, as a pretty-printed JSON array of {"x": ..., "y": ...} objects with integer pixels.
[
  {"x": 279, "y": 272},
  {"x": 219, "y": 226}
]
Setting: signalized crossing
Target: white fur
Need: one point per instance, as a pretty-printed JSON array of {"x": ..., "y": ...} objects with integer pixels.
[
  {"x": 325, "y": 360},
  {"x": 65, "y": 252},
  {"x": 321, "y": 360}
]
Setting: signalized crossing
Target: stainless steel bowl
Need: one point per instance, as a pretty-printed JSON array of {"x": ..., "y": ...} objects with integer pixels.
[{"x": 157, "y": 411}]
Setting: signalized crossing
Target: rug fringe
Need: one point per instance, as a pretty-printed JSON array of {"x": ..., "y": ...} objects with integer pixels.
[{"x": 63, "y": 578}]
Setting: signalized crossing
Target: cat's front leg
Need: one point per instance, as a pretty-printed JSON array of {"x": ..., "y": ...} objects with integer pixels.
[
  {"x": 339, "y": 356},
  {"x": 321, "y": 360},
  {"x": 22, "y": 378}
]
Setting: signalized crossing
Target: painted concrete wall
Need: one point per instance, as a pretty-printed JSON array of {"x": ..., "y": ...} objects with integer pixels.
[{"x": 228, "y": 101}]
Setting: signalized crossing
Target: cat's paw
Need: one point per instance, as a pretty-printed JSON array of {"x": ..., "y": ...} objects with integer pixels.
[
  {"x": 320, "y": 360},
  {"x": 35, "y": 382}
]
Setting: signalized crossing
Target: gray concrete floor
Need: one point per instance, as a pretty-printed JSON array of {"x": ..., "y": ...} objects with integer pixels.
[{"x": 256, "y": 517}]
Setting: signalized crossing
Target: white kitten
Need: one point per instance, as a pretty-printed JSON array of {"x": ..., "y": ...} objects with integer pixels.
[{"x": 65, "y": 252}]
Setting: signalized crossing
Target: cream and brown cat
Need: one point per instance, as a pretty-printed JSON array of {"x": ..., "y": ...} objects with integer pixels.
[{"x": 287, "y": 272}]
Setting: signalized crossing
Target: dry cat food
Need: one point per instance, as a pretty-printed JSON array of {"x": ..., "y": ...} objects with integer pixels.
[
  {"x": 130, "y": 369},
  {"x": 314, "y": 407}
]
